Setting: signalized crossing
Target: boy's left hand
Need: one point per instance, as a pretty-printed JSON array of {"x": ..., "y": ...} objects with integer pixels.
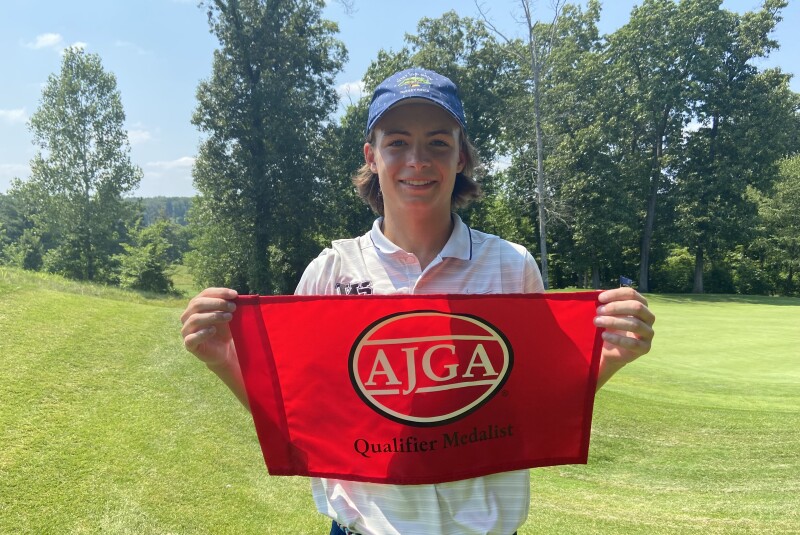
[{"x": 628, "y": 322}]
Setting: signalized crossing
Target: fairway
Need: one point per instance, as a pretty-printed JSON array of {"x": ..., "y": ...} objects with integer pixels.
[{"x": 108, "y": 426}]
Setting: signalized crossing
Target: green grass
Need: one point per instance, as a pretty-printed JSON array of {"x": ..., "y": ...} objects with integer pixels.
[
  {"x": 700, "y": 436},
  {"x": 108, "y": 426}
]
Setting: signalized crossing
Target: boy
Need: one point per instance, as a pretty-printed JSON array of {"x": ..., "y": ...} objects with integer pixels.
[{"x": 418, "y": 168}]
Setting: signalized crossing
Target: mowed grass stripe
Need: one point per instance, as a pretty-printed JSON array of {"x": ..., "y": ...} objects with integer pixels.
[
  {"x": 108, "y": 426},
  {"x": 734, "y": 353}
]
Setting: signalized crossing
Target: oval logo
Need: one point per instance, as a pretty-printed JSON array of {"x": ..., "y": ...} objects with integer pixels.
[{"x": 427, "y": 368}]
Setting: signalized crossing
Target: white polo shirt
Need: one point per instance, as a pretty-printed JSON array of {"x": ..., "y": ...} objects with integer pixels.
[{"x": 471, "y": 262}]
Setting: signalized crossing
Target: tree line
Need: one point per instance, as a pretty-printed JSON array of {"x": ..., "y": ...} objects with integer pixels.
[{"x": 664, "y": 153}]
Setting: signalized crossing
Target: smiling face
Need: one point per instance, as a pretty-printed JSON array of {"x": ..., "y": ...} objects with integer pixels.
[{"x": 416, "y": 155}]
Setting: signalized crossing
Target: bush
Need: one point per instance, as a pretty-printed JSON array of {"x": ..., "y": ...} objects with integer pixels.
[
  {"x": 676, "y": 273},
  {"x": 718, "y": 278},
  {"x": 25, "y": 253},
  {"x": 146, "y": 263},
  {"x": 748, "y": 275}
]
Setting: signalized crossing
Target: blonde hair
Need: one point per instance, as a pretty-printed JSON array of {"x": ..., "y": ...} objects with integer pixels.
[{"x": 465, "y": 190}]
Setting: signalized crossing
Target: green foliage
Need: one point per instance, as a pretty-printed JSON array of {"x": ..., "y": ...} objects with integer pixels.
[
  {"x": 25, "y": 252},
  {"x": 147, "y": 263},
  {"x": 74, "y": 197},
  {"x": 74, "y": 259},
  {"x": 652, "y": 60},
  {"x": 262, "y": 111},
  {"x": 341, "y": 153},
  {"x": 675, "y": 274},
  {"x": 745, "y": 123},
  {"x": 779, "y": 241},
  {"x": 215, "y": 257},
  {"x": 505, "y": 214},
  {"x": 12, "y": 223},
  {"x": 749, "y": 275}
]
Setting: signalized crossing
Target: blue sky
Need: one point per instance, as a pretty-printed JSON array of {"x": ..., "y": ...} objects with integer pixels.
[{"x": 160, "y": 49}]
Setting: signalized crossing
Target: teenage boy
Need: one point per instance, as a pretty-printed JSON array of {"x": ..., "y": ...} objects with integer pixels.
[{"x": 418, "y": 169}]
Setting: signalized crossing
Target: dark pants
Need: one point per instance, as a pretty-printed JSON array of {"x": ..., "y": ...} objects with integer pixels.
[{"x": 336, "y": 530}]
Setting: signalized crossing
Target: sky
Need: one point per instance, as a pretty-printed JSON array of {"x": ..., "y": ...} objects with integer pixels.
[{"x": 160, "y": 49}]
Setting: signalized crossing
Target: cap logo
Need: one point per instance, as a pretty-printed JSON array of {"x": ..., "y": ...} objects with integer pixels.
[
  {"x": 428, "y": 368},
  {"x": 413, "y": 81}
]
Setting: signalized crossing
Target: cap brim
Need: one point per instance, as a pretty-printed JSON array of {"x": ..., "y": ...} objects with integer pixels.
[{"x": 415, "y": 100}]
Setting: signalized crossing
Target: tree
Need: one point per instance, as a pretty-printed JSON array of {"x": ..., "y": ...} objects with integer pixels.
[
  {"x": 593, "y": 216},
  {"x": 538, "y": 46},
  {"x": 653, "y": 59},
  {"x": 12, "y": 224},
  {"x": 262, "y": 110},
  {"x": 146, "y": 264},
  {"x": 745, "y": 124},
  {"x": 82, "y": 170},
  {"x": 779, "y": 211},
  {"x": 21, "y": 244}
]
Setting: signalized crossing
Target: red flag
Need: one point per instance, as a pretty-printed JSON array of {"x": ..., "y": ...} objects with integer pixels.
[{"x": 419, "y": 389}]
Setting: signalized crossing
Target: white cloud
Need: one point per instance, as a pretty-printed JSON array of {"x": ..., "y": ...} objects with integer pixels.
[
  {"x": 138, "y": 136},
  {"x": 54, "y": 41},
  {"x": 14, "y": 116},
  {"x": 46, "y": 40},
  {"x": 185, "y": 162},
  {"x": 169, "y": 178},
  {"x": 351, "y": 91}
]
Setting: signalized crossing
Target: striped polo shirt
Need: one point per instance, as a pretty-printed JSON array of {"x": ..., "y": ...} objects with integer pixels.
[{"x": 471, "y": 262}]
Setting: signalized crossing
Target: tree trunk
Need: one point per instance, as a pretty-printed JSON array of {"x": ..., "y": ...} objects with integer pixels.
[
  {"x": 595, "y": 277},
  {"x": 644, "y": 263},
  {"x": 260, "y": 265},
  {"x": 649, "y": 223},
  {"x": 90, "y": 274},
  {"x": 697, "y": 288},
  {"x": 540, "y": 187}
]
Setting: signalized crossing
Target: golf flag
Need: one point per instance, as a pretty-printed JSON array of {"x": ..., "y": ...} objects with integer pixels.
[{"x": 418, "y": 389}]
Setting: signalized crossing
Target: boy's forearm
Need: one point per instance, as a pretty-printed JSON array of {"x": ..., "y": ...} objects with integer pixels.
[
  {"x": 230, "y": 373},
  {"x": 607, "y": 370}
]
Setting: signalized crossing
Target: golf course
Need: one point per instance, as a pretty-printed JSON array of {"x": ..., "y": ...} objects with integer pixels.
[{"x": 107, "y": 425}]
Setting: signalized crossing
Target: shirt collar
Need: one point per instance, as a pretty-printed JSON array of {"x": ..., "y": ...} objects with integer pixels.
[{"x": 459, "y": 245}]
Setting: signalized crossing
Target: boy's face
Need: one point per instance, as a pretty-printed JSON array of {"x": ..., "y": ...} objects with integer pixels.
[{"x": 416, "y": 154}]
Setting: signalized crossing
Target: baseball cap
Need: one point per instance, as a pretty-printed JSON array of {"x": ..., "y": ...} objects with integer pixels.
[{"x": 418, "y": 84}]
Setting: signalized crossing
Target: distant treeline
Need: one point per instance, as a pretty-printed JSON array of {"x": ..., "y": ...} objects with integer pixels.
[{"x": 173, "y": 209}]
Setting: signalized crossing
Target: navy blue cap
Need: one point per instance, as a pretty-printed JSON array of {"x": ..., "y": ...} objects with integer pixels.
[{"x": 416, "y": 83}]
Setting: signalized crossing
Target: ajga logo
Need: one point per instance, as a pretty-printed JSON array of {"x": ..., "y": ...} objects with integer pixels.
[
  {"x": 427, "y": 368},
  {"x": 414, "y": 81}
]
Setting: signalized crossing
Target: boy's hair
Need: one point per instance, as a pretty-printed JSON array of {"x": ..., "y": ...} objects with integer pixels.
[{"x": 465, "y": 190}]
